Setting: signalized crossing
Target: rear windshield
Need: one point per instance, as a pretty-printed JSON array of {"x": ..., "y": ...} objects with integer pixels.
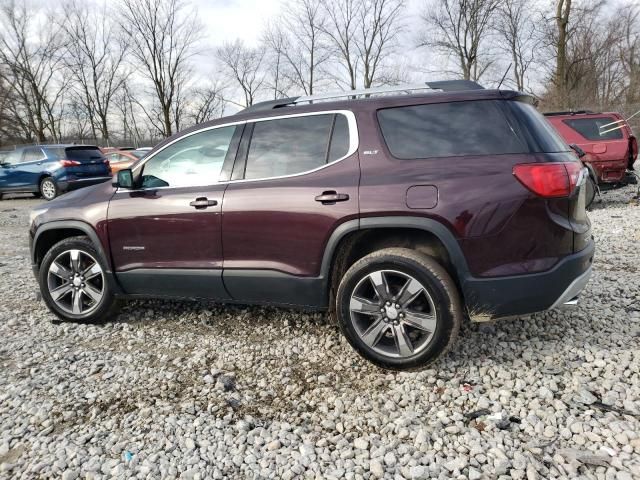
[
  {"x": 78, "y": 153},
  {"x": 450, "y": 129},
  {"x": 536, "y": 129},
  {"x": 596, "y": 128},
  {"x": 83, "y": 153}
]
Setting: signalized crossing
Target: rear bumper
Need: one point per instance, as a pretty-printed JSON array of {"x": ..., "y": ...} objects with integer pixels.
[
  {"x": 490, "y": 298},
  {"x": 68, "y": 185}
]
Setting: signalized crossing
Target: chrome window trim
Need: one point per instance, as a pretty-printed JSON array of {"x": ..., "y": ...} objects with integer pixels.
[{"x": 354, "y": 140}]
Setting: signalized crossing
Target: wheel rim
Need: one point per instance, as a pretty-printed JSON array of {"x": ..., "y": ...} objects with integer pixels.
[
  {"x": 48, "y": 189},
  {"x": 76, "y": 282},
  {"x": 393, "y": 313}
]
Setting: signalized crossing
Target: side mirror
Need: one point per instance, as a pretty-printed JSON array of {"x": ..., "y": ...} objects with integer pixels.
[
  {"x": 581, "y": 153},
  {"x": 123, "y": 179}
]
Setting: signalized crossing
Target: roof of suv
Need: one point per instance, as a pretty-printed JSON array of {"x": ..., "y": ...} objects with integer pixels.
[
  {"x": 383, "y": 101},
  {"x": 379, "y": 102}
]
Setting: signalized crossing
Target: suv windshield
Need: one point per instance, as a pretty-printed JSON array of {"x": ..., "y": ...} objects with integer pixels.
[{"x": 592, "y": 128}]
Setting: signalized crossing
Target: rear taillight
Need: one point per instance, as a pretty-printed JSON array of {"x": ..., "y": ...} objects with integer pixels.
[
  {"x": 69, "y": 163},
  {"x": 549, "y": 180},
  {"x": 106, "y": 162},
  {"x": 634, "y": 147}
]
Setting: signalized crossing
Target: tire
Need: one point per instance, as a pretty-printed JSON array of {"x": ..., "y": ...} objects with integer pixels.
[
  {"x": 48, "y": 188},
  {"x": 590, "y": 194},
  {"x": 428, "y": 290},
  {"x": 83, "y": 293}
]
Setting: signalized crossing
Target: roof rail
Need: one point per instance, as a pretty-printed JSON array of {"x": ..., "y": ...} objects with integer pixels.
[
  {"x": 440, "y": 86},
  {"x": 570, "y": 112}
]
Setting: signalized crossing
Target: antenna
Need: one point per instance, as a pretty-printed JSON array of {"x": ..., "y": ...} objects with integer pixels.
[{"x": 504, "y": 76}]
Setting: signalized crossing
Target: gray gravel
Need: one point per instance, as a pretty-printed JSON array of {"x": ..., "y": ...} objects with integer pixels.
[{"x": 186, "y": 390}]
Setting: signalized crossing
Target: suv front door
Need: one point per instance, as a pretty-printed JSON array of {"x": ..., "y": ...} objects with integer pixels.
[
  {"x": 295, "y": 180},
  {"x": 165, "y": 235},
  {"x": 21, "y": 170}
]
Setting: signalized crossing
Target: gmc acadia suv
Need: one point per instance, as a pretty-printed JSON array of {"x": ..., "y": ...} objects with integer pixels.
[{"x": 401, "y": 214}]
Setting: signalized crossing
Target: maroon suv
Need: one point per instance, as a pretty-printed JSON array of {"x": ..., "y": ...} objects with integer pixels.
[{"x": 403, "y": 214}]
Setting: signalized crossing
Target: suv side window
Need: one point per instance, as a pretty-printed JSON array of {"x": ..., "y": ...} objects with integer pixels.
[
  {"x": 448, "y": 130},
  {"x": 195, "y": 160},
  {"x": 33, "y": 155},
  {"x": 287, "y": 146},
  {"x": 13, "y": 157}
]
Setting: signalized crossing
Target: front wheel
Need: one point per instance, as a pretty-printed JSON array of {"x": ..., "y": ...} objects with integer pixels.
[
  {"x": 48, "y": 188},
  {"x": 399, "y": 308},
  {"x": 74, "y": 284}
]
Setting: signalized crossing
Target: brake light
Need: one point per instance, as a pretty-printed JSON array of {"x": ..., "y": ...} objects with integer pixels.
[
  {"x": 106, "y": 162},
  {"x": 69, "y": 163},
  {"x": 549, "y": 180},
  {"x": 634, "y": 148}
]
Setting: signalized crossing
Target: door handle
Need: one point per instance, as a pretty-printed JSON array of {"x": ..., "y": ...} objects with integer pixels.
[
  {"x": 331, "y": 197},
  {"x": 202, "y": 202}
]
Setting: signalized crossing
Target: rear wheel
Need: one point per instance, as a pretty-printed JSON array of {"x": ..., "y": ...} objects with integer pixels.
[
  {"x": 48, "y": 188},
  {"x": 73, "y": 282},
  {"x": 399, "y": 308}
]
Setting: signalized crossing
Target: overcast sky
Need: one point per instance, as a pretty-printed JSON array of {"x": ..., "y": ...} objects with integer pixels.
[{"x": 230, "y": 19}]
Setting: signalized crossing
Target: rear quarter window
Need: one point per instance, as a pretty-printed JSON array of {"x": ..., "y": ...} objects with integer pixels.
[
  {"x": 595, "y": 128},
  {"x": 448, "y": 130}
]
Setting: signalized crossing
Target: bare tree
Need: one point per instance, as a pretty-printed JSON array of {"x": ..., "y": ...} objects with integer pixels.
[
  {"x": 128, "y": 113},
  {"x": 29, "y": 53},
  {"x": 460, "y": 28},
  {"x": 584, "y": 53},
  {"x": 630, "y": 49},
  {"x": 94, "y": 57},
  {"x": 244, "y": 66},
  {"x": 516, "y": 28},
  {"x": 207, "y": 104},
  {"x": 342, "y": 29},
  {"x": 362, "y": 34},
  {"x": 163, "y": 39},
  {"x": 306, "y": 48},
  {"x": 563, "y": 13},
  {"x": 379, "y": 28},
  {"x": 274, "y": 42}
]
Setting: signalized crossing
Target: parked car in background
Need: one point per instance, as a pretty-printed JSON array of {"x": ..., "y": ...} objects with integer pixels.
[
  {"x": 143, "y": 150},
  {"x": 106, "y": 150},
  {"x": 402, "y": 214},
  {"x": 119, "y": 159},
  {"x": 609, "y": 145},
  {"x": 49, "y": 170}
]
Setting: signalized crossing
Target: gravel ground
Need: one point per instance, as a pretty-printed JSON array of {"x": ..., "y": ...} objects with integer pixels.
[{"x": 188, "y": 390}]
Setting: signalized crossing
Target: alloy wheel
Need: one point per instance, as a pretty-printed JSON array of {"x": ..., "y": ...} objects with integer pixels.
[
  {"x": 76, "y": 282},
  {"x": 48, "y": 189},
  {"x": 393, "y": 313}
]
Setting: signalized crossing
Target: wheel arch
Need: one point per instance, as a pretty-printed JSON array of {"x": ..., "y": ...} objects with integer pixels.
[
  {"x": 51, "y": 233},
  {"x": 354, "y": 239}
]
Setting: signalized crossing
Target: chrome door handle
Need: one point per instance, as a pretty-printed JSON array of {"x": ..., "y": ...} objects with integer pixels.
[
  {"x": 331, "y": 197},
  {"x": 203, "y": 202}
]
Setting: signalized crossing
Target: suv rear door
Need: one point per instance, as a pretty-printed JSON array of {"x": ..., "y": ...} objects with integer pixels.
[
  {"x": 165, "y": 235},
  {"x": 295, "y": 180}
]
